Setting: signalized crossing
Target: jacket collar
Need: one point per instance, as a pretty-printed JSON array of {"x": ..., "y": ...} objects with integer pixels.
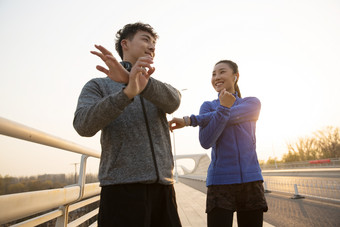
[
  {"x": 236, "y": 95},
  {"x": 127, "y": 65},
  {"x": 236, "y": 101}
]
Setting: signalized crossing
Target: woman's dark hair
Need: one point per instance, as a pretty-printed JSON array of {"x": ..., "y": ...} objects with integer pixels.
[
  {"x": 129, "y": 31},
  {"x": 234, "y": 67}
]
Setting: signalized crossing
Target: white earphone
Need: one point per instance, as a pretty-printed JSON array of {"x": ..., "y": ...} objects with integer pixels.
[{"x": 235, "y": 78}]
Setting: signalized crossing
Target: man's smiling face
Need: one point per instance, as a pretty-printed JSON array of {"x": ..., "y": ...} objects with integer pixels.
[{"x": 142, "y": 44}]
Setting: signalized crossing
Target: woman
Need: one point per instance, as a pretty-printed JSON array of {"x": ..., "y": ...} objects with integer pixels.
[{"x": 227, "y": 125}]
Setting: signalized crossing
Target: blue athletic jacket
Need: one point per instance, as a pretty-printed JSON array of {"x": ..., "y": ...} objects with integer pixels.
[{"x": 230, "y": 132}]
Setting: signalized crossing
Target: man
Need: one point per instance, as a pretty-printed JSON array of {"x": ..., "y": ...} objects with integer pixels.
[{"x": 130, "y": 107}]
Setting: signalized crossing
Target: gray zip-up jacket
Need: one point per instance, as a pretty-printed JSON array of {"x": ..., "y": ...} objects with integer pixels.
[{"x": 129, "y": 155}]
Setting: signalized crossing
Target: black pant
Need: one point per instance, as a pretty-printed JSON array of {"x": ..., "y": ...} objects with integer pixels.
[
  {"x": 220, "y": 217},
  {"x": 140, "y": 205}
]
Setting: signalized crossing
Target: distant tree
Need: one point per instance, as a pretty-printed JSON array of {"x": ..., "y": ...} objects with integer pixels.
[
  {"x": 2, "y": 186},
  {"x": 271, "y": 161},
  {"x": 324, "y": 144},
  {"x": 292, "y": 156},
  {"x": 91, "y": 178},
  {"x": 8, "y": 180},
  {"x": 305, "y": 148},
  {"x": 47, "y": 184},
  {"x": 9, "y": 185},
  {"x": 328, "y": 142},
  {"x": 59, "y": 184},
  {"x": 34, "y": 185},
  {"x": 16, "y": 188}
]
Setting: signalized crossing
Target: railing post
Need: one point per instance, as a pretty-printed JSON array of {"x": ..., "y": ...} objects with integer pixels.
[
  {"x": 296, "y": 195},
  {"x": 62, "y": 221},
  {"x": 82, "y": 176},
  {"x": 265, "y": 187}
]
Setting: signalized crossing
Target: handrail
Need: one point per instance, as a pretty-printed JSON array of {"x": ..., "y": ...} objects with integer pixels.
[
  {"x": 21, "y": 205},
  {"x": 40, "y": 220},
  {"x": 19, "y": 131},
  {"x": 29, "y": 203}
]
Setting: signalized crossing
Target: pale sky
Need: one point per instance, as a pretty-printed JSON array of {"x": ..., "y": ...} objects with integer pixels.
[{"x": 288, "y": 53}]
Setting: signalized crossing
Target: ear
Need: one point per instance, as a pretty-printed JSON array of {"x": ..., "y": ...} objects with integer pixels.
[
  {"x": 124, "y": 44},
  {"x": 236, "y": 77}
]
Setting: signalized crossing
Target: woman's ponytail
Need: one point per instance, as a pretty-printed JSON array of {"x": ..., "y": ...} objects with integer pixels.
[{"x": 237, "y": 89}]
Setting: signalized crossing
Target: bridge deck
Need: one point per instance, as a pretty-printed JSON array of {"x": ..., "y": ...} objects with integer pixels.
[{"x": 191, "y": 207}]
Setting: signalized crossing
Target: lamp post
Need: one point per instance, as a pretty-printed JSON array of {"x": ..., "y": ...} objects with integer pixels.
[
  {"x": 75, "y": 172},
  {"x": 175, "y": 159},
  {"x": 274, "y": 155},
  {"x": 174, "y": 143}
]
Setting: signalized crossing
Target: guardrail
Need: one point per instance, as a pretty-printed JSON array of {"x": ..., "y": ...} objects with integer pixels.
[
  {"x": 326, "y": 189},
  {"x": 322, "y": 183},
  {"x": 325, "y": 163},
  {"x": 313, "y": 183},
  {"x": 62, "y": 201}
]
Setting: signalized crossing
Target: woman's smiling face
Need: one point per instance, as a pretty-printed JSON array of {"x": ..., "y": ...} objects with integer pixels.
[{"x": 223, "y": 77}]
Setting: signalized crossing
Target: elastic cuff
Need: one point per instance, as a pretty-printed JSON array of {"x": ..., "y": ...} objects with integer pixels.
[
  {"x": 120, "y": 100},
  {"x": 147, "y": 86}
]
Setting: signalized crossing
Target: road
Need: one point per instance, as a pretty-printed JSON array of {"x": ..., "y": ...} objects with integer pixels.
[{"x": 284, "y": 211}]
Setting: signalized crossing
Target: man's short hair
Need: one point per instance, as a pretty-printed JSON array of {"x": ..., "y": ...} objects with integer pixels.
[{"x": 129, "y": 31}]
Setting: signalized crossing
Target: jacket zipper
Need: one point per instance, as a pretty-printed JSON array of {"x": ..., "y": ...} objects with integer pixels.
[
  {"x": 150, "y": 139},
  {"x": 128, "y": 66},
  {"x": 239, "y": 157}
]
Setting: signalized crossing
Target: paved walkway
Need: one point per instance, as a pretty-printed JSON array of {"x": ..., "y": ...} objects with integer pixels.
[{"x": 191, "y": 207}]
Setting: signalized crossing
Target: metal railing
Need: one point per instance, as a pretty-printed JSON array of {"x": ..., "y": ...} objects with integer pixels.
[
  {"x": 62, "y": 201},
  {"x": 299, "y": 187},
  {"x": 302, "y": 164},
  {"x": 328, "y": 189},
  {"x": 321, "y": 183}
]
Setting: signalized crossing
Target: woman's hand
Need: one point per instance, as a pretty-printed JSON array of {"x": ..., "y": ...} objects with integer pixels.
[
  {"x": 226, "y": 98},
  {"x": 176, "y": 123}
]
